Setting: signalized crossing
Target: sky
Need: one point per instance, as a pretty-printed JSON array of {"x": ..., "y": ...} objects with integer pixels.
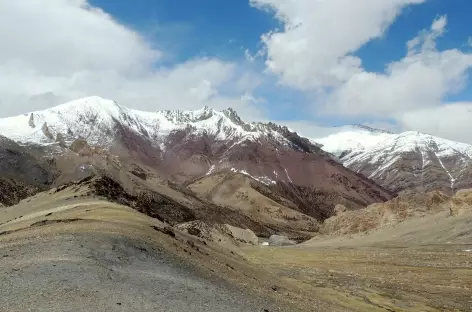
[{"x": 309, "y": 64}]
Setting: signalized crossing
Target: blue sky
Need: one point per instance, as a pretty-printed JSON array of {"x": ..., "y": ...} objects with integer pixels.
[
  {"x": 379, "y": 52},
  {"x": 309, "y": 64},
  {"x": 225, "y": 29},
  {"x": 195, "y": 28}
]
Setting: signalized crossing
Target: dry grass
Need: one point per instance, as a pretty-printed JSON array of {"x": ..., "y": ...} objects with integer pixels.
[
  {"x": 380, "y": 279},
  {"x": 423, "y": 263}
]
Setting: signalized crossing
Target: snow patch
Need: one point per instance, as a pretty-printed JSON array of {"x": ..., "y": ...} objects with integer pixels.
[
  {"x": 212, "y": 168},
  {"x": 263, "y": 180},
  {"x": 383, "y": 167},
  {"x": 288, "y": 177},
  {"x": 353, "y": 139},
  {"x": 451, "y": 178}
]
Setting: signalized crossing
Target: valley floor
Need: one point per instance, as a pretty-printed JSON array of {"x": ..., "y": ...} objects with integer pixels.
[
  {"x": 422, "y": 264},
  {"x": 431, "y": 278}
]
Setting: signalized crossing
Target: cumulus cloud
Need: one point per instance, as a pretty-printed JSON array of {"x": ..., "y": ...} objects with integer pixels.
[
  {"x": 65, "y": 49},
  {"x": 451, "y": 121},
  {"x": 315, "y": 47},
  {"x": 310, "y": 129},
  {"x": 68, "y": 36},
  {"x": 314, "y": 52},
  {"x": 421, "y": 79}
]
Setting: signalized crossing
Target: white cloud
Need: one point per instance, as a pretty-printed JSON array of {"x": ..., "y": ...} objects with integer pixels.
[
  {"x": 451, "y": 121},
  {"x": 314, "y": 49},
  {"x": 439, "y": 24},
  {"x": 310, "y": 129},
  {"x": 62, "y": 36},
  {"x": 65, "y": 49},
  {"x": 421, "y": 79}
]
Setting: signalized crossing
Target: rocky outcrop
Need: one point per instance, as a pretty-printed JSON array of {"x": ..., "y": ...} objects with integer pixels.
[
  {"x": 47, "y": 133},
  {"x": 461, "y": 203},
  {"x": 81, "y": 147},
  {"x": 12, "y": 191},
  {"x": 60, "y": 139},
  {"x": 222, "y": 234},
  {"x": 31, "y": 121},
  {"x": 407, "y": 205},
  {"x": 21, "y": 174}
]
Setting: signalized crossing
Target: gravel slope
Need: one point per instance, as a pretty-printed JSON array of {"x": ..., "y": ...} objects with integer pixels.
[{"x": 101, "y": 272}]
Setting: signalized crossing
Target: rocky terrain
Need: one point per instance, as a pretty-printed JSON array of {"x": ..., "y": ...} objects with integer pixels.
[
  {"x": 21, "y": 174},
  {"x": 412, "y": 253},
  {"x": 405, "y": 161},
  {"x": 406, "y": 206}
]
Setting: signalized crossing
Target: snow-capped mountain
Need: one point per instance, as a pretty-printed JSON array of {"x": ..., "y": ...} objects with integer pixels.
[
  {"x": 95, "y": 119},
  {"x": 185, "y": 145},
  {"x": 409, "y": 160},
  {"x": 352, "y": 139}
]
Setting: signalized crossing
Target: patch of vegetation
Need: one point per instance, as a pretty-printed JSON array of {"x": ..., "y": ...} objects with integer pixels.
[
  {"x": 47, "y": 222},
  {"x": 166, "y": 230}
]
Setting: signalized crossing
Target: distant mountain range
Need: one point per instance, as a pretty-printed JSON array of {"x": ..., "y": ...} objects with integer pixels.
[{"x": 408, "y": 160}]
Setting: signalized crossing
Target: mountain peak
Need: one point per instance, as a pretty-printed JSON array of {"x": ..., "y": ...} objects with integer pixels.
[
  {"x": 94, "y": 103},
  {"x": 407, "y": 160},
  {"x": 233, "y": 116},
  {"x": 371, "y": 129}
]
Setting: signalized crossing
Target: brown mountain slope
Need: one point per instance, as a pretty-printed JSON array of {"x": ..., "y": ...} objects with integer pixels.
[
  {"x": 21, "y": 174},
  {"x": 240, "y": 193},
  {"x": 269, "y": 162}
]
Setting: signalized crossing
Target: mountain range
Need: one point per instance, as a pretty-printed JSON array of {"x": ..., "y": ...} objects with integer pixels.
[
  {"x": 283, "y": 182},
  {"x": 263, "y": 171}
]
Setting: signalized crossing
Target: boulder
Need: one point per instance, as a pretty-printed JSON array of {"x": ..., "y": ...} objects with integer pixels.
[{"x": 280, "y": 240}]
